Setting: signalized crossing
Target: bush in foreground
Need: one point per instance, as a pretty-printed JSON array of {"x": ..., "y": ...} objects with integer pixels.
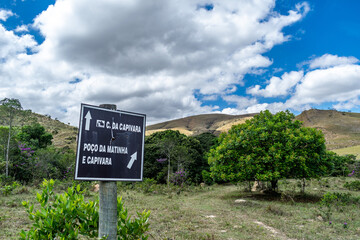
[{"x": 67, "y": 216}]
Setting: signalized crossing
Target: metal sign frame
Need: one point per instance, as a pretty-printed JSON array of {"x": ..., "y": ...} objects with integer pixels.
[{"x": 98, "y": 159}]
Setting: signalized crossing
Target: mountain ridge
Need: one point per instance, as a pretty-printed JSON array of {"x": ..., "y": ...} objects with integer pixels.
[{"x": 341, "y": 129}]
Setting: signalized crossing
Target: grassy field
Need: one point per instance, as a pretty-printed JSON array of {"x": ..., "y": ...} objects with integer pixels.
[
  {"x": 355, "y": 150},
  {"x": 219, "y": 212}
]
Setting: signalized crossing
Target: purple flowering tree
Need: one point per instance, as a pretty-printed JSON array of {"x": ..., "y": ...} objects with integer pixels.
[
  {"x": 24, "y": 165},
  {"x": 179, "y": 177}
]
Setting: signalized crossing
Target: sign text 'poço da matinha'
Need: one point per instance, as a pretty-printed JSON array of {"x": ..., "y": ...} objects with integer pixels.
[{"x": 110, "y": 145}]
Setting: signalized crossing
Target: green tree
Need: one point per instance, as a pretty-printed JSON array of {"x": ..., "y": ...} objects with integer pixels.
[
  {"x": 181, "y": 153},
  {"x": 54, "y": 163},
  {"x": 34, "y": 136},
  {"x": 341, "y": 164},
  {"x": 268, "y": 148},
  {"x": 4, "y": 131},
  {"x": 10, "y": 108},
  {"x": 13, "y": 148},
  {"x": 207, "y": 141},
  {"x": 168, "y": 147}
]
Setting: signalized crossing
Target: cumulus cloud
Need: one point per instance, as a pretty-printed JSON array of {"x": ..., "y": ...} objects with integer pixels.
[
  {"x": 241, "y": 102},
  {"x": 278, "y": 86},
  {"x": 5, "y": 14},
  {"x": 256, "y": 108},
  {"x": 146, "y": 56},
  {"x": 329, "y": 79},
  {"x": 22, "y": 28},
  {"x": 335, "y": 84},
  {"x": 329, "y": 60}
]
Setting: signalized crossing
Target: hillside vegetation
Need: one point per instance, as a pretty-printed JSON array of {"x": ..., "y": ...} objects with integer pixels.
[
  {"x": 64, "y": 135},
  {"x": 341, "y": 129}
]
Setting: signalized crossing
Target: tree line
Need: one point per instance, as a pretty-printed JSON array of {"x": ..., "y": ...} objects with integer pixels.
[{"x": 269, "y": 147}]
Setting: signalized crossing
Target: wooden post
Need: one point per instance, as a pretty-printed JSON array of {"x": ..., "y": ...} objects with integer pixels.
[{"x": 108, "y": 203}]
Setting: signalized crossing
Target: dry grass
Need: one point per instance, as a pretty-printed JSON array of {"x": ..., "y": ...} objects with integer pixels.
[
  {"x": 221, "y": 212},
  {"x": 64, "y": 135},
  {"x": 181, "y": 130},
  {"x": 198, "y": 124},
  {"x": 341, "y": 129},
  {"x": 355, "y": 150}
]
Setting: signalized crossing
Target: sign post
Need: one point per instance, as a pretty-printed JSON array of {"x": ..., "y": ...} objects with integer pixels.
[{"x": 110, "y": 148}]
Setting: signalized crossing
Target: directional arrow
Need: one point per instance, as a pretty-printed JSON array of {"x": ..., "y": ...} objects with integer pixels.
[
  {"x": 132, "y": 160},
  {"x": 87, "y": 123}
]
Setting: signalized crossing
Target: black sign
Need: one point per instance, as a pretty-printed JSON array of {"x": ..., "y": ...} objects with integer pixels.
[{"x": 110, "y": 145}]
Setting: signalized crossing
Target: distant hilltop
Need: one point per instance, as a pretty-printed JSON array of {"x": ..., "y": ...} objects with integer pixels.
[
  {"x": 195, "y": 125},
  {"x": 341, "y": 129}
]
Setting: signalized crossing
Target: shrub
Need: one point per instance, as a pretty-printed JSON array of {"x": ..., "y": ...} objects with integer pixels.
[
  {"x": 355, "y": 185},
  {"x": 148, "y": 185},
  {"x": 67, "y": 216},
  {"x": 207, "y": 177},
  {"x": 179, "y": 177},
  {"x": 7, "y": 189},
  {"x": 340, "y": 164},
  {"x": 334, "y": 201}
]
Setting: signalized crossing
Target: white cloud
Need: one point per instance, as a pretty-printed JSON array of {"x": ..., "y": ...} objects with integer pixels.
[
  {"x": 145, "y": 56},
  {"x": 13, "y": 45},
  {"x": 278, "y": 86},
  {"x": 256, "y": 108},
  {"x": 335, "y": 84},
  {"x": 241, "y": 102},
  {"x": 329, "y": 79},
  {"x": 210, "y": 97},
  {"x": 347, "y": 105},
  {"x": 22, "y": 28},
  {"x": 5, "y": 14},
  {"x": 329, "y": 60}
]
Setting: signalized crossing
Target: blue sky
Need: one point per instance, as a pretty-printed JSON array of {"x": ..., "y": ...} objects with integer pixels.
[{"x": 172, "y": 59}]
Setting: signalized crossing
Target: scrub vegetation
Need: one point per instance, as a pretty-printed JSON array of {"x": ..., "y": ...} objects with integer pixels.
[
  {"x": 269, "y": 177},
  {"x": 327, "y": 210}
]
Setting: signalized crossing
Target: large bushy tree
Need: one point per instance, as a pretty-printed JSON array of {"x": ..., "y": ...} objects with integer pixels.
[{"x": 268, "y": 148}]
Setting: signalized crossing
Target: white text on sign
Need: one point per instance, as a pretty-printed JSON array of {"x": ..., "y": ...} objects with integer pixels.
[
  {"x": 90, "y": 147},
  {"x": 118, "y": 126}
]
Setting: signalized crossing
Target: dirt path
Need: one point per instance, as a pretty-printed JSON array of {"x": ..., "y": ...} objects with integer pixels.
[{"x": 274, "y": 232}]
